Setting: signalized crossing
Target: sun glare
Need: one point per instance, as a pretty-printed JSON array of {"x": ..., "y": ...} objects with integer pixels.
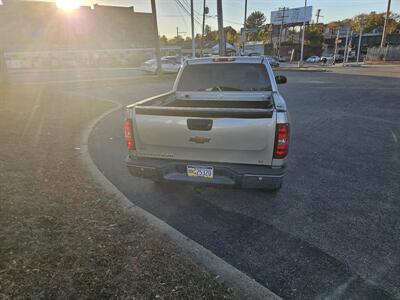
[{"x": 68, "y": 4}]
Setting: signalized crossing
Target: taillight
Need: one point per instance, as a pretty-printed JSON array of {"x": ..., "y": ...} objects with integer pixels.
[
  {"x": 129, "y": 139},
  {"x": 281, "y": 148}
]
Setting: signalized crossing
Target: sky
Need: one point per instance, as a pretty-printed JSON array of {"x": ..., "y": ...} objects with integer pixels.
[{"x": 170, "y": 15}]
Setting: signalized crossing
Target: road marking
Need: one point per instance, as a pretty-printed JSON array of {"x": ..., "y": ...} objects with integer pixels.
[
  {"x": 394, "y": 137},
  {"x": 315, "y": 81}
]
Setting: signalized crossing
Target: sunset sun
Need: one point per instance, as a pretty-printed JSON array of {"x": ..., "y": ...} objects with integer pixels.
[{"x": 68, "y": 4}]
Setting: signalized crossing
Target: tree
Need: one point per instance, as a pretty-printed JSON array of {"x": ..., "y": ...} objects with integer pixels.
[
  {"x": 369, "y": 21},
  {"x": 163, "y": 40},
  {"x": 210, "y": 35},
  {"x": 176, "y": 40},
  {"x": 255, "y": 21},
  {"x": 314, "y": 35},
  {"x": 230, "y": 35}
]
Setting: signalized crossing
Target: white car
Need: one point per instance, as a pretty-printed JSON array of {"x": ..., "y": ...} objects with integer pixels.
[
  {"x": 169, "y": 64},
  {"x": 313, "y": 59}
]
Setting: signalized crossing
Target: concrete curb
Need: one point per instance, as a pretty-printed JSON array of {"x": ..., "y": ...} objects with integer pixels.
[
  {"x": 301, "y": 70},
  {"x": 242, "y": 285}
]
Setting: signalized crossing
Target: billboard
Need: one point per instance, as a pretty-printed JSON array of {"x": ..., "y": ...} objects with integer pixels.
[{"x": 291, "y": 16}]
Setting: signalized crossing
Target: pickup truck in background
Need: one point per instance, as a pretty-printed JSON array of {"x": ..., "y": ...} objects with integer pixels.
[{"x": 223, "y": 123}]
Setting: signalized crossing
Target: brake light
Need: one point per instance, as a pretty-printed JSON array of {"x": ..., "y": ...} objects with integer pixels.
[
  {"x": 223, "y": 59},
  {"x": 129, "y": 139},
  {"x": 281, "y": 148}
]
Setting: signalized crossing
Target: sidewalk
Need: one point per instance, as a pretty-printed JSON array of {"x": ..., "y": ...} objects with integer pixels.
[{"x": 284, "y": 66}]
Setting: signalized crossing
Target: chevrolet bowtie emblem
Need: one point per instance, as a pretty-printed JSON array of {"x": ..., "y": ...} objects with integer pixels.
[{"x": 199, "y": 139}]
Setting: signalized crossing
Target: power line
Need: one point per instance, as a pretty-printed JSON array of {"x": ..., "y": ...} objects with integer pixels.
[
  {"x": 181, "y": 5},
  {"x": 182, "y": 17},
  {"x": 188, "y": 6}
]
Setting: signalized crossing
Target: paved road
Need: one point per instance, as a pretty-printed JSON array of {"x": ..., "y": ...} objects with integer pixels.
[
  {"x": 333, "y": 229},
  {"x": 71, "y": 75}
]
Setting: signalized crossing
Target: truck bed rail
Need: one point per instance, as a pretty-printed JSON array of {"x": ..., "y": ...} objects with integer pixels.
[{"x": 243, "y": 113}]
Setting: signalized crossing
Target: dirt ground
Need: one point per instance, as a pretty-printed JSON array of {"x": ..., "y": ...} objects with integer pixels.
[{"x": 61, "y": 235}]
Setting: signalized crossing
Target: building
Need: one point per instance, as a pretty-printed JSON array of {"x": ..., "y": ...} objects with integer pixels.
[
  {"x": 41, "y": 26},
  {"x": 368, "y": 40}
]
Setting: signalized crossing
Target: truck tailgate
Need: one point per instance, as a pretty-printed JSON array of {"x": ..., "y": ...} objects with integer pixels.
[{"x": 205, "y": 134}]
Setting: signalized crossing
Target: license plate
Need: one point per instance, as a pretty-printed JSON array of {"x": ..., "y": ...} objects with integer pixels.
[{"x": 198, "y": 171}]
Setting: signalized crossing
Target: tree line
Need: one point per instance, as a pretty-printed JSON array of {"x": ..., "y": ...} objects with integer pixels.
[{"x": 314, "y": 35}]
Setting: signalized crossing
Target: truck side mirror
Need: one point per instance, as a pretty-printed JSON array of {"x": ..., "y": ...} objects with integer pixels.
[{"x": 280, "y": 79}]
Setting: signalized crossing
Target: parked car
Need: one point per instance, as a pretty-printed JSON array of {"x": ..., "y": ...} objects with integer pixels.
[
  {"x": 223, "y": 123},
  {"x": 326, "y": 59},
  {"x": 329, "y": 58},
  {"x": 169, "y": 64},
  {"x": 313, "y": 59}
]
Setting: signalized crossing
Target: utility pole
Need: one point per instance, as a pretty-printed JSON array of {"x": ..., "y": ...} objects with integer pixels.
[
  {"x": 244, "y": 26},
  {"x": 383, "y": 41},
  {"x": 359, "y": 44},
  {"x": 302, "y": 36},
  {"x": 336, "y": 44},
  {"x": 362, "y": 23},
  {"x": 179, "y": 32},
  {"x": 319, "y": 15},
  {"x": 202, "y": 28},
  {"x": 220, "y": 28},
  {"x": 156, "y": 38},
  {"x": 349, "y": 46},
  {"x": 192, "y": 19},
  {"x": 280, "y": 31},
  {"x": 345, "y": 46}
]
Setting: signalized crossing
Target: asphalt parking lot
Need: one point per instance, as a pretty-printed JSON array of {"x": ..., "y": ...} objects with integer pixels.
[{"x": 333, "y": 229}]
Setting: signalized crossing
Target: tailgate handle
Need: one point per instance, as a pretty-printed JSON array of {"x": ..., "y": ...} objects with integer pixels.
[{"x": 200, "y": 124}]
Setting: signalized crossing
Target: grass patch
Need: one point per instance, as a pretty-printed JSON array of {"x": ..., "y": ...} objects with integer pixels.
[{"x": 61, "y": 235}]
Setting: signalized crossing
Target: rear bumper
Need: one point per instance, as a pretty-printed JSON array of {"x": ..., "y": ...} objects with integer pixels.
[{"x": 233, "y": 175}]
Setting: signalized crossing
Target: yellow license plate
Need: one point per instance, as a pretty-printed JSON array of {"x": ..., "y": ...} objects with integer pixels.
[{"x": 199, "y": 171}]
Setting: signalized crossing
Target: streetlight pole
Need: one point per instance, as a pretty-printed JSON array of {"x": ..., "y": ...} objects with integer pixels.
[
  {"x": 302, "y": 36},
  {"x": 192, "y": 19}
]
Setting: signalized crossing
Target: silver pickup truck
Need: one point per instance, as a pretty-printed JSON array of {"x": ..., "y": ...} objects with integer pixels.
[{"x": 223, "y": 123}]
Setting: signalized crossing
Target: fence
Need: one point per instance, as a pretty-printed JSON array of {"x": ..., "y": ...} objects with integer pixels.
[{"x": 389, "y": 53}]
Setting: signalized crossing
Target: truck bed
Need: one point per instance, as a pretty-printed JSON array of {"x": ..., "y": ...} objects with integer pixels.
[
  {"x": 219, "y": 127},
  {"x": 256, "y": 105}
]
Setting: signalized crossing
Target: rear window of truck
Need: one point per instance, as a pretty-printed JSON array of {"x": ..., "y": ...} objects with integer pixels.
[{"x": 225, "y": 77}]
